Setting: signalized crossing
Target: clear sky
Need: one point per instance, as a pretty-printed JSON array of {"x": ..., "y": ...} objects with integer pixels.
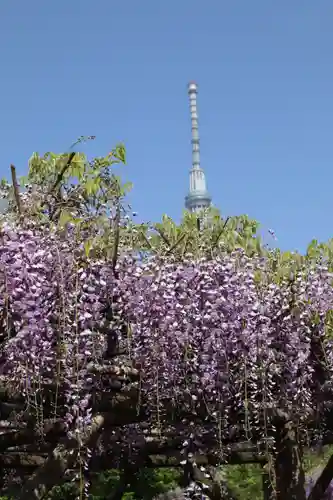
[{"x": 119, "y": 70}]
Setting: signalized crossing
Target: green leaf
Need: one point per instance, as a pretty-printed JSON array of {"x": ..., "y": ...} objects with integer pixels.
[
  {"x": 87, "y": 247},
  {"x": 92, "y": 185},
  {"x": 126, "y": 187},
  {"x": 23, "y": 180},
  {"x": 65, "y": 218},
  {"x": 120, "y": 153}
]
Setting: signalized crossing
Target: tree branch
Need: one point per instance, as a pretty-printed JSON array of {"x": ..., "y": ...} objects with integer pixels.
[
  {"x": 52, "y": 472},
  {"x": 16, "y": 189},
  {"x": 116, "y": 238},
  {"x": 323, "y": 482},
  {"x": 62, "y": 172}
]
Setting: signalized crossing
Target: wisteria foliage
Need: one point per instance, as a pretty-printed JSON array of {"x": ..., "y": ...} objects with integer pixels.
[
  {"x": 217, "y": 339},
  {"x": 222, "y": 334}
]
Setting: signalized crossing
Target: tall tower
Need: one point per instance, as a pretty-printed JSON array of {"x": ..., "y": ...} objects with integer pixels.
[{"x": 198, "y": 197}]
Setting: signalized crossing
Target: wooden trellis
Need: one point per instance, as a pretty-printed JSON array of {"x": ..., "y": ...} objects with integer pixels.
[{"x": 41, "y": 457}]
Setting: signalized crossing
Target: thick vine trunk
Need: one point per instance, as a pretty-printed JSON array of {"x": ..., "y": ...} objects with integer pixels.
[
  {"x": 290, "y": 478},
  {"x": 323, "y": 482},
  {"x": 63, "y": 457}
]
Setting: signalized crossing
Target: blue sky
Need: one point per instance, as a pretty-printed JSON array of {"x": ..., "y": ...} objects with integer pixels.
[{"x": 119, "y": 70}]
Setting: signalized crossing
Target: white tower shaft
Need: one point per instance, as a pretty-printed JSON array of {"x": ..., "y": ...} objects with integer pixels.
[{"x": 198, "y": 197}]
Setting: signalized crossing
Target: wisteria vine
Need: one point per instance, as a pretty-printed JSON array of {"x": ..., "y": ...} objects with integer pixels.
[
  {"x": 215, "y": 335},
  {"x": 208, "y": 332},
  {"x": 219, "y": 341}
]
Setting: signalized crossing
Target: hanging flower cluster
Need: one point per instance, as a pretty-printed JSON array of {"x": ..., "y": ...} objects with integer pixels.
[
  {"x": 219, "y": 339},
  {"x": 51, "y": 313},
  {"x": 223, "y": 336}
]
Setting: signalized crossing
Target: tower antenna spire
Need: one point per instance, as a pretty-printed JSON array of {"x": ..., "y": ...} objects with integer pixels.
[{"x": 198, "y": 197}]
